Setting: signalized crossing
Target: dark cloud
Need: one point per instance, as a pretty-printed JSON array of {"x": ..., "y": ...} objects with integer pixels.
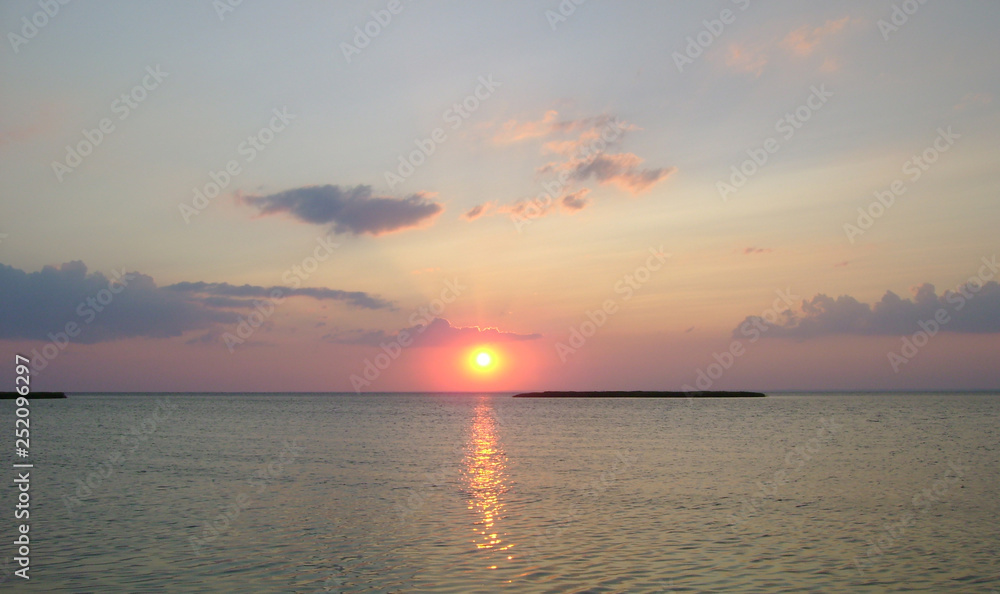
[
  {"x": 35, "y": 304},
  {"x": 227, "y": 295},
  {"x": 971, "y": 308},
  {"x": 130, "y": 304},
  {"x": 476, "y": 211},
  {"x": 621, "y": 169},
  {"x": 439, "y": 332},
  {"x": 576, "y": 201},
  {"x": 350, "y": 210}
]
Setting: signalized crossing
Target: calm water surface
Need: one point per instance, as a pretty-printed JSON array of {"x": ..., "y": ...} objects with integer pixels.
[{"x": 486, "y": 493}]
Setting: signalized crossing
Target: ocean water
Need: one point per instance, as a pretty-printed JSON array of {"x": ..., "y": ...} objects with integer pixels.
[{"x": 487, "y": 493}]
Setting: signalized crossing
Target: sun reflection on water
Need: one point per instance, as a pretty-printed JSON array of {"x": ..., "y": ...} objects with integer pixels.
[{"x": 485, "y": 474}]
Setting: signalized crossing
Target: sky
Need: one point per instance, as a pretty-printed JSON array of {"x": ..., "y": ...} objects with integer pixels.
[{"x": 365, "y": 196}]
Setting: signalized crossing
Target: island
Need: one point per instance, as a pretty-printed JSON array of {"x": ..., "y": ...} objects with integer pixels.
[
  {"x": 642, "y": 394},
  {"x": 32, "y": 395}
]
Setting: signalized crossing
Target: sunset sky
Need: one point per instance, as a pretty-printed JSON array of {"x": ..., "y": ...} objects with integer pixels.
[{"x": 607, "y": 195}]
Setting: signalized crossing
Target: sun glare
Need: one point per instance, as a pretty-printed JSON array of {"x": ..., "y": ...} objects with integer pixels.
[{"x": 483, "y": 360}]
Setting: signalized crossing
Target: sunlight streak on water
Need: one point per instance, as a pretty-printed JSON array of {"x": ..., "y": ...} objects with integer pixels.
[{"x": 485, "y": 474}]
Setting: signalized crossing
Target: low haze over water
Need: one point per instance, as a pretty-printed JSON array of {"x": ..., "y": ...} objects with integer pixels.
[{"x": 484, "y": 493}]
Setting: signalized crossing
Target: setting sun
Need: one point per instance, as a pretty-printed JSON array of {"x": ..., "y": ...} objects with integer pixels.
[{"x": 483, "y": 360}]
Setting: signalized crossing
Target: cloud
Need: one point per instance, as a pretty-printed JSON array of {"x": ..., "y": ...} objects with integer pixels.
[
  {"x": 974, "y": 100},
  {"x": 583, "y": 157},
  {"x": 425, "y": 270},
  {"x": 438, "y": 333},
  {"x": 576, "y": 201},
  {"x": 476, "y": 211},
  {"x": 227, "y": 295},
  {"x": 515, "y": 131},
  {"x": 801, "y": 42},
  {"x": 804, "y": 40},
  {"x": 621, "y": 169},
  {"x": 35, "y": 304},
  {"x": 745, "y": 59},
  {"x": 28, "y": 126},
  {"x": 842, "y": 264},
  {"x": 533, "y": 209},
  {"x": 350, "y": 210},
  {"x": 756, "y": 250},
  {"x": 969, "y": 311}
]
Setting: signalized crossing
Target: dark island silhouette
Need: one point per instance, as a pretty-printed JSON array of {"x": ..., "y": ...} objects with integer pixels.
[
  {"x": 32, "y": 395},
  {"x": 642, "y": 394}
]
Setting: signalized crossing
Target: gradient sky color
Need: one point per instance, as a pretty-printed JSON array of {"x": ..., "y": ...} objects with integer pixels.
[{"x": 559, "y": 183}]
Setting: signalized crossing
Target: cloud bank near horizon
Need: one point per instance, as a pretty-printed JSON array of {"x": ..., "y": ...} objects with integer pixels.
[
  {"x": 43, "y": 304},
  {"x": 973, "y": 308}
]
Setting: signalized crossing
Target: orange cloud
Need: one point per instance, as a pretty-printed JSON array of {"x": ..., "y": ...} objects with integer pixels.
[
  {"x": 514, "y": 131},
  {"x": 576, "y": 201},
  {"x": 745, "y": 59},
  {"x": 804, "y": 40},
  {"x": 477, "y": 211},
  {"x": 621, "y": 169},
  {"x": 974, "y": 99}
]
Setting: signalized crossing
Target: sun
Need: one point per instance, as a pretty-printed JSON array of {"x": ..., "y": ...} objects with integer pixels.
[{"x": 483, "y": 360}]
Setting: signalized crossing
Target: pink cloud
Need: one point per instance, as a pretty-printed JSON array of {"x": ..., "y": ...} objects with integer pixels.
[
  {"x": 576, "y": 201},
  {"x": 804, "y": 40},
  {"x": 974, "y": 100},
  {"x": 746, "y": 59},
  {"x": 477, "y": 211},
  {"x": 621, "y": 169}
]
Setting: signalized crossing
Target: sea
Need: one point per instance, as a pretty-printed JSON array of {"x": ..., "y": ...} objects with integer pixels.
[{"x": 430, "y": 492}]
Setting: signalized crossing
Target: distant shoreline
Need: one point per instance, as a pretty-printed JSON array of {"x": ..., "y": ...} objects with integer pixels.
[
  {"x": 642, "y": 394},
  {"x": 32, "y": 395}
]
